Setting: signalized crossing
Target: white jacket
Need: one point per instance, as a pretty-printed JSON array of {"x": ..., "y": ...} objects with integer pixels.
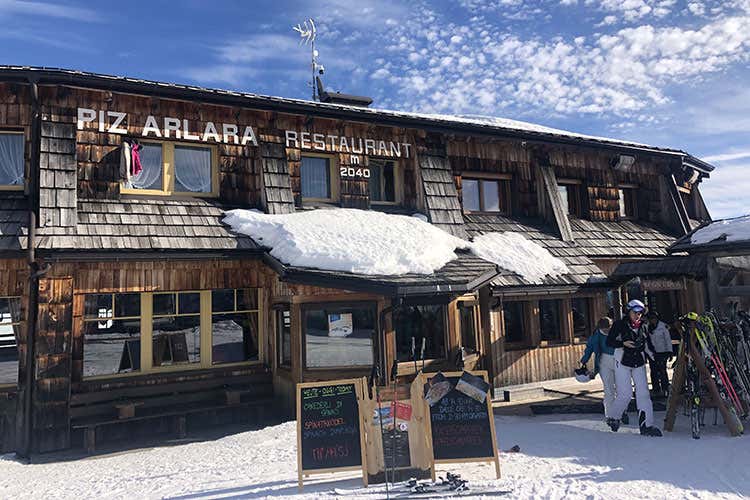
[{"x": 660, "y": 337}]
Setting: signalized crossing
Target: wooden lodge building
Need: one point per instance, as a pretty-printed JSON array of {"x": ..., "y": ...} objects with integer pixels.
[{"x": 126, "y": 305}]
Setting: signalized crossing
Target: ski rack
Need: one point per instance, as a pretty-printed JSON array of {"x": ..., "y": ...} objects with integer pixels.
[{"x": 677, "y": 395}]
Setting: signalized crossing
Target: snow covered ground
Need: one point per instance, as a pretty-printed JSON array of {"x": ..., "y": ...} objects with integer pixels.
[{"x": 568, "y": 457}]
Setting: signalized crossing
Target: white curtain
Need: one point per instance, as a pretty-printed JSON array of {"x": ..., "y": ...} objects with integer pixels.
[
  {"x": 11, "y": 159},
  {"x": 315, "y": 178},
  {"x": 192, "y": 169},
  {"x": 150, "y": 176}
]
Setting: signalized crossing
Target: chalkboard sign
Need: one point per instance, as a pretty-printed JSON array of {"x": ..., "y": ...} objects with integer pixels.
[
  {"x": 329, "y": 427},
  {"x": 462, "y": 428}
]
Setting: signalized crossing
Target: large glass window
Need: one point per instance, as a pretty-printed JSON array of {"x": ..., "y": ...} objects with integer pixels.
[
  {"x": 315, "y": 177},
  {"x": 485, "y": 195},
  {"x": 176, "y": 328},
  {"x": 234, "y": 326},
  {"x": 284, "y": 335},
  {"x": 11, "y": 160},
  {"x": 10, "y": 332},
  {"x": 111, "y": 333},
  {"x": 190, "y": 169},
  {"x": 513, "y": 322},
  {"x": 339, "y": 335},
  {"x": 550, "y": 320},
  {"x": 581, "y": 317},
  {"x": 467, "y": 314},
  {"x": 419, "y": 322},
  {"x": 382, "y": 181}
]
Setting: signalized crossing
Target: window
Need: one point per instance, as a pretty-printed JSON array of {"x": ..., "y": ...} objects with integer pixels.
[
  {"x": 468, "y": 317},
  {"x": 316, "y": 178},
  {"x": 234, "y": 326},
  {"x": 570, "y": 196},
  {"x": 176, "y": 328},
  {"x": 141, "y": 332},
  {"x": 513, "y": 322},
  {"x": 382, "y": 181},
  {"x": 11, "y": 160},
  {"x": 111, "y": 333},
  {"x": 581, "y": 317},
  {"x": 169, "y": 168},
  {"x": 628, "y": 203},
  {"x": 284, "y": 335},
  {"x": 486, "y": 195},
  {"x": 419, "y": 322},
  {"x": 550, "y": 320},
  {"x": 10, "y": 331},
  {"x": 339, "y": 335}
]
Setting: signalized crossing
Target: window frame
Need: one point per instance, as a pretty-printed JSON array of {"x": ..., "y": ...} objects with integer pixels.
[
  {"x": 397, "y": 184},
  {"x": 278, "y": 310},
  {"x": 20, "y": 324},
  {"x": 206, "y": 341},
  {"x": 446, "y": 310},
  {"x": 526, "y": 311},
  {"x": 562, "y": 319},
  {"x": 22, "y": 186},
  {"x": 631, "y": 189},
  {"x": 572, "y": 185},
  {"x": 469, "y": 304},
  {"x": 582, "y": 339},
  {"x": 325, "y": 306},
  {"x": 168, "y": 171},
  {"x": 334, "y": 177},
  {"x": 504, "y": 192}
]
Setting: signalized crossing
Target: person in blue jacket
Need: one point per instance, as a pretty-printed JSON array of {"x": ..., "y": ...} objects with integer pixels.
[{"x": 604, "y": 364}]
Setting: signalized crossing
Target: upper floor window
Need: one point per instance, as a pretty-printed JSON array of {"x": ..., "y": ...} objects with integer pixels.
[
  {"x": 382, "y": 182},
  {"x": 486, "y": 194},
  {"x": 170, "y": 168},
  {"x": 317, "y": 179},
  {"x": 628, "y": 203},
  {"x": 11, "y": 160},
  {"x": 570, "y": 195}
]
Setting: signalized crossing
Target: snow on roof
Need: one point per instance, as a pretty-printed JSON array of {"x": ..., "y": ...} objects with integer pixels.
[
  {"x": 374, "y": 243},
  {"x": 728, "y": 230}
]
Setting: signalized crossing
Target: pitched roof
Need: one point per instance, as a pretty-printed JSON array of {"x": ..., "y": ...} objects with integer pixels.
[
  {"x": 582, "y": 270},
  {"x": 492, "y": 125},
  {"x": 461, "y": 275},
  {"x": 726, "y": 235},
  {"x": 130, "y": 223},
  {"x": 602, "y": 239},
  {"x": 685, "y": 265}
]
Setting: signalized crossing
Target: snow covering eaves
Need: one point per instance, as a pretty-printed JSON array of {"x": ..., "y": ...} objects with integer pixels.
[
  {"x": 477, "y": 124},
  {"x": 726, "y": 235}
]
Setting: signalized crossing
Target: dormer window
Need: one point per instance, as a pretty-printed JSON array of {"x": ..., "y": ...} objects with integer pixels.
[
  {"x": 570, "y": 196},
  {"x": 485, "y": 193},
  {"x": 628, "y": 202},
  {"x": 11, "y": 160},
  {"x": 167, "y": 168}
]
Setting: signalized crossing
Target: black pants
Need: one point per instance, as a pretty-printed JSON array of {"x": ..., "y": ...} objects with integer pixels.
[{"x": 659, "y": 377}]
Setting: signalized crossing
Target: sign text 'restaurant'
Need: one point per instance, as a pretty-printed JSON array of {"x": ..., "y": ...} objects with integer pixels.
[{"x": 343, "y": 144}]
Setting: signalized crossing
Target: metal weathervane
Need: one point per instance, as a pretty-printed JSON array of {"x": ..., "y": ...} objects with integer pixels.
[{"x": 307, "y": 33}]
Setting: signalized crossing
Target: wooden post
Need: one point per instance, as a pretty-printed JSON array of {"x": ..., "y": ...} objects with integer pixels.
[{"x": 676, "y": 395}]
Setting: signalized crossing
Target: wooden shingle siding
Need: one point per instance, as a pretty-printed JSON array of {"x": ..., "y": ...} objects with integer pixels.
[
  {"x": 276, "y": 182},
  {"x": 441, "y": 196}
]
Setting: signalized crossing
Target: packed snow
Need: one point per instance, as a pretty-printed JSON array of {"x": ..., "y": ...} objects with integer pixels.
[
  {"x": 374, "y": 243},
  {"x": 512, "y": 251},
  {"x": 573, "y": 456},
  {"x": 729, "y": 230}
]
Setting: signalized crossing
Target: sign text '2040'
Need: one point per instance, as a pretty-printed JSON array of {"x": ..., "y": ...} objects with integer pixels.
[{"x": 354, "y": 172}]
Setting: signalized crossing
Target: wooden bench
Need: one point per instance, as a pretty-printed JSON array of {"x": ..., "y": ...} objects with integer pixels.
[{"x": 92, "y": 410}]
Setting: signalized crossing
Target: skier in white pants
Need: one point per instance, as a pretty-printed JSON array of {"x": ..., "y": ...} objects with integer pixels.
[
  {"x": 629, "y": 336},
  {"x": 604, "y": 364}
]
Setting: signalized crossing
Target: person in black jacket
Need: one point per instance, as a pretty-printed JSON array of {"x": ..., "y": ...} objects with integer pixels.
[{"x": 629, "y": 336}]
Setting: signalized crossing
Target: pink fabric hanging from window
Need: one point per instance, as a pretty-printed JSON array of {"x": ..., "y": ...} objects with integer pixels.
[{"x": 135, "y": 166}]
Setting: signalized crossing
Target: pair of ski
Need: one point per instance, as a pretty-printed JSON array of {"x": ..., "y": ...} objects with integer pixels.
[{"x": 450, "y": 487}]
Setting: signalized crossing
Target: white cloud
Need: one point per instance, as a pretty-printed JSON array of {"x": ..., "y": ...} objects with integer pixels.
[
  {"x": 727, "y": 157},
  {"x": 45, "y": 9},
  {"x": 726, "y": 191}
]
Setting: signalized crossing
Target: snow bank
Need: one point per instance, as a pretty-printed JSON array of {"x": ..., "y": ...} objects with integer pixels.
[
  {"x": 513, "y": 252},
  {"x": 357, "y": 241},
  {"x": 373, "y": 243},
  {"x": 737, "y": 229}
]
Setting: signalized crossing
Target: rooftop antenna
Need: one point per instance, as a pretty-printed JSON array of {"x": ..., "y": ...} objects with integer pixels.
[{"x": 307, "y": 33}]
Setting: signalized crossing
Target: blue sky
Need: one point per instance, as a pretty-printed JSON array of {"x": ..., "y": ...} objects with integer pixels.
[{"x": 665, "y": 72}]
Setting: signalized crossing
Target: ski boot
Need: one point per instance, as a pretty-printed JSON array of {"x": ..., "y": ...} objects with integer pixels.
[
  {"x": 647, "y": 430},
  {"x": 613, "y": 423}
]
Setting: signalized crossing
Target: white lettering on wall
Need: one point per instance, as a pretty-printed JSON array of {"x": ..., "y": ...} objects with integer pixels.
[
  {"x": 85, "y": 115},
  {"x": 151, "y": 127}
]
